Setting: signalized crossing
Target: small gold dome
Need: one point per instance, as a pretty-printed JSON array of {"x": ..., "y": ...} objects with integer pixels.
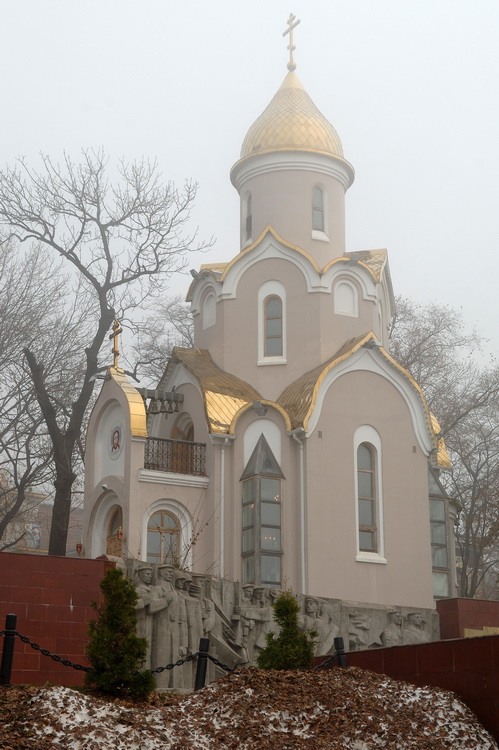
[{"x": 291, "y": 122}]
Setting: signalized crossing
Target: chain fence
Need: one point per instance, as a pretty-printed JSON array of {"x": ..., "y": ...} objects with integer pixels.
[{"x": 81, "y": 668}]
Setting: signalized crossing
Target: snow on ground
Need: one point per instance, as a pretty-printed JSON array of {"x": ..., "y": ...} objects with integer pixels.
[{"x": 339, "y": 709}]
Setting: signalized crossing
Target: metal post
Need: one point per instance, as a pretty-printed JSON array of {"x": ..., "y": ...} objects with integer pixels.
[
  {"x": 8, "y": 649},
  {"x": 204, "y": 647},
  {"x": 339, "y": 647}
]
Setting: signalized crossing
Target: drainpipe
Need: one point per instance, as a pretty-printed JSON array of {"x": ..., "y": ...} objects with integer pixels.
[
  {"x": 222, "y": 507},
  {"x": 299, "y": 437}
]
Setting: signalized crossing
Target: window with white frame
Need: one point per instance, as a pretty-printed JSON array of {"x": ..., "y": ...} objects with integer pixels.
[
  {"x": 248, "y": 219},
  {"x": 368, "y": 495},
  {"x": 272, "y": 323},
  {"x": 163, "y": 538},
  {"x": 318, "y": 222},
  {"x": 345, "y": 299},
  {"x": 209, "y": 310},
  {"x": 273, "y": 326},
  {"x": 261, "y": 547}
]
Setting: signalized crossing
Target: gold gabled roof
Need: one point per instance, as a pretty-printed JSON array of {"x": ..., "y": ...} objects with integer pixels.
[
  {"x": 223, "y": 394},
  {"x": 299, "y": 398},
  {"x": 292, "y": 122},
  {"x": 138, "y": 418}
]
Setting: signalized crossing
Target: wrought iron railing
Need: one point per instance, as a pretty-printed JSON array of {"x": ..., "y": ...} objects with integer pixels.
[{"x": 177, "y": 456}]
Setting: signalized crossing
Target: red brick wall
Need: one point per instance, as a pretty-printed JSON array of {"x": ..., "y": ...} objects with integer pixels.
[
  {"x": 458, "y": 614},
  {"x": 469, "y": 667},
  {"x": 51, "y": 597}
]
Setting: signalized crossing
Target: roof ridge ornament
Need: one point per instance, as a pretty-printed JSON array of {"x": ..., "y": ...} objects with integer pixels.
[{"x": 292, "y": 22}]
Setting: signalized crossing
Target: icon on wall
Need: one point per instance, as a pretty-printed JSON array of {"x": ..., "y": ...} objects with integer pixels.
[{"x": 116, "y": 441}]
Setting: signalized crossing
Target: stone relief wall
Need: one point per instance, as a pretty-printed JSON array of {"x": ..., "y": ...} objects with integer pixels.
[{"x": 176, "y": 608}]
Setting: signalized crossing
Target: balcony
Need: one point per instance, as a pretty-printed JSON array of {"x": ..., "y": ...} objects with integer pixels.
[{"x": 175, "y": 456}]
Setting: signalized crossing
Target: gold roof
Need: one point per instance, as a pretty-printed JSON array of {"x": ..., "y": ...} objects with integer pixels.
[
  {"x": 291, "y": 122},
  {"x": 299, "y": 398},
  {"x": 223, "y": 394},
  {"x": 138, "y": 419},
  {"x": 443, "y": 458}
]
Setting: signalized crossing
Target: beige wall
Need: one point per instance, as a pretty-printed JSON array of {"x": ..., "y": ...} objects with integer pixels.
[{"x": 363, "y": 398}]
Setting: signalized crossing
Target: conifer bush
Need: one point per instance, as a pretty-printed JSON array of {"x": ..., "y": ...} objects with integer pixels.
[
  {"x": 292, "y": 647},
  {"x": 115, "y": 652}
]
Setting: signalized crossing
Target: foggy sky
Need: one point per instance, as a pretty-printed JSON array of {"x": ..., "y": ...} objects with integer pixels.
[{"x": 410, "y": 86}]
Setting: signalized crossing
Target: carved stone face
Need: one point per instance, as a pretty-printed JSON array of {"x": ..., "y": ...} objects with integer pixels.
[
  {"x": 417, "y": 618},
  {"x": 310, "y": 606},
  {"x": 396, "y": 618},
  {"x": 166, "y": 573},
  {"x": 145, "y": 576},
  {"x": 179, "y": 583}
]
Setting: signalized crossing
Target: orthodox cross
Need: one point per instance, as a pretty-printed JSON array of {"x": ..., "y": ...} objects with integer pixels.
[
  {"x": 117, "y": 329},
  {"x": 293, "y": 21}
]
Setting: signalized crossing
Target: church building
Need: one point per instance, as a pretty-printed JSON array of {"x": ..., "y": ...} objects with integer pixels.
[{"x": 287, "y": 449}]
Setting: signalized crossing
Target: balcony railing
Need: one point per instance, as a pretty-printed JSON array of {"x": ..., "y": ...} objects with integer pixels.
[{"x": 177, "y": 456}]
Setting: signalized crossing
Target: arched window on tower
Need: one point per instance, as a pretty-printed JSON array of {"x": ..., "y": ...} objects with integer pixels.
[
  {"x": 248, "y": 219},
  {"x": 273, "y": 326},
  {"x": 163, "y": 538},
  {"x": 209, "y": 310},
  {"x": 318, "y": 220},
  {"x": 346, "y": 300}
]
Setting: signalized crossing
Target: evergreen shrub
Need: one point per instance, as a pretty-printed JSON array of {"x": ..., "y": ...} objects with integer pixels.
[
  {"x": 292, "y": 647},
  {"x": 115, "y": 652}
]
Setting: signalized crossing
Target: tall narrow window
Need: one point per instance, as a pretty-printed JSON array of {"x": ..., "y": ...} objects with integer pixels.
[
  {"x": 273, "y": 327},
  {"x": 261, "y": 517},
  {"x": 318, "y": 210},
  {"x": 366, "y": 492},
  {"x": 249, "y": 219},
  {"x": 163, "y": 538}
]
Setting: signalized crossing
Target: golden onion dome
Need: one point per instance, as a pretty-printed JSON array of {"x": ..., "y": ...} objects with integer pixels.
[{"x": 291, "y": 122}]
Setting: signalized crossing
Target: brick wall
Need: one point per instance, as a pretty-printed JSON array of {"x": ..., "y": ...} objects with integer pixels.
[
  {"x": 51, "y": 597},
  {"x": 458, "y": 615},
  {"x": 469, "y": 667}
]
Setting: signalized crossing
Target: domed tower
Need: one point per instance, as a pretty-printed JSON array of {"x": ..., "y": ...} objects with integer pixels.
[{"x": 292, "y": 174}]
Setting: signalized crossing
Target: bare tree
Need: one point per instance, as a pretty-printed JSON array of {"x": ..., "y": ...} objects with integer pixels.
[
  {"x": 170, "y": 324},
  {"x": 433, "y": 343},
  {"x": 118, "y": 243}
]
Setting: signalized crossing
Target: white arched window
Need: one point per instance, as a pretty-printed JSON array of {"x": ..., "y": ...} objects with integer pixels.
[
  {"x": 248, "y": 219},
  {"x": 272, "y": 324},
  {"x": 209, "y": 310},
  {"x": 318, "y": 209},
  {"x": 163, "y": 538},
  {"x": 368, "y": 495},
  {"x": 319, "y": 215},
  {"x": 345, "y": 298},
  {"x": 167, "y": 534}
]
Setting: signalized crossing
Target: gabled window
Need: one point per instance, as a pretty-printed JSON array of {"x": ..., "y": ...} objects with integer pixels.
[
  {"x": 273, "y": 327},
  {"x": 261, "y": 517},
  {"x": 318, "y": 222}
]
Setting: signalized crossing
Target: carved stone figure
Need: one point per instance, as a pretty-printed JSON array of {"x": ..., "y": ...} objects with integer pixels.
[
  {"x": 165, "y": 646},
  {"x": 358, "y": 631},
  {"x": 392, "y": 634},
  {"x": 415, "y": 629},
  {"x": 148, "y": 604}
]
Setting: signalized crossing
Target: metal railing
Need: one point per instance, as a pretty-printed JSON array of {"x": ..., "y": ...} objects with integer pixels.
[{"x": 177, "y": 456}]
